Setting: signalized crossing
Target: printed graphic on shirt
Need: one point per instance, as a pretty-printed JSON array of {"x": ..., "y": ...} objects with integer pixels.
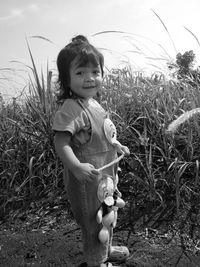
[
  {"x": 110, "y": 131},
  {"x": 82, "y": 137}
]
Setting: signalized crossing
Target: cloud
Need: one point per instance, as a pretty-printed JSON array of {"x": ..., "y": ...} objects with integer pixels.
[
  {"x": 33, "y": 7},
  {"x": 13, "y": 14},
  {"x": 18, "y": 14}
]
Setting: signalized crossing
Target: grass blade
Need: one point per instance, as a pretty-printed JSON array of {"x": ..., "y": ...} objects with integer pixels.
[{"x": 165, "y": 29}]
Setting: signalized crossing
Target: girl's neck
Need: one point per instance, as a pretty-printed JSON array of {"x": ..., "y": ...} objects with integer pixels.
[{"x": 87, "y": 100}]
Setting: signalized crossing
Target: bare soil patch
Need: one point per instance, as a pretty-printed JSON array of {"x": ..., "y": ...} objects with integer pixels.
[{"x": 51, "y": 238}]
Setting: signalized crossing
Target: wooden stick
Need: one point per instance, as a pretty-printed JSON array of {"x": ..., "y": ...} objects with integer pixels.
[{"x": 111, "y": 163}]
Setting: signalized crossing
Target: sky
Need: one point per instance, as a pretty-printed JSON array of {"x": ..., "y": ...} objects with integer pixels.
[{"x": 143, "y": 33}]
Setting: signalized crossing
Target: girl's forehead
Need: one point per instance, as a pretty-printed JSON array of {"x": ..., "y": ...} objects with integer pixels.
[
  {"x": 86, "y": 60},
  {"x": 79, "y": 64}
]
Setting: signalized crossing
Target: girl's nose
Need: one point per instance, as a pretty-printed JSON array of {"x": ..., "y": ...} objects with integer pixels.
[{"x": 89, "y": 77}]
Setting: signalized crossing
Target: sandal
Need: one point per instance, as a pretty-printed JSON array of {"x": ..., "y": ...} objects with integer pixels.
[
  {"x": 108, "y": 264},
  {"x": 83, "y": 264},
  {"x": 118, "y": 254}
]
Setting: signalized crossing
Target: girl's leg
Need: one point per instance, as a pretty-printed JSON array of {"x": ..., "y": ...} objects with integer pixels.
[{"x": 85, "y": 204}]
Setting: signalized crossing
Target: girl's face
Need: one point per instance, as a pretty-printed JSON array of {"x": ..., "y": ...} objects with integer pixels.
[{"x": 85, "y": 81}]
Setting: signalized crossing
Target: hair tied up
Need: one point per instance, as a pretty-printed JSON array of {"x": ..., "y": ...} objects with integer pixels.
[{"x": 79, "y": 39}]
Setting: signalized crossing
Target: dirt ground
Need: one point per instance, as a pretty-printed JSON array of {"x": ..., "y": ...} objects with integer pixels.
[{"x": 50, "y": 238}]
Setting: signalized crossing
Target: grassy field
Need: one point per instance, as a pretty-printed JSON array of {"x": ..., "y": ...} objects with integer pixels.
[
  {"x": 164, "y": 162},
  {"x": 156, "y": 117}
]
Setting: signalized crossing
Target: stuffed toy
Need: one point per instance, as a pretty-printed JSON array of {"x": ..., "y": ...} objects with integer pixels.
[
  {"x": 110, "y": 198},
  {"x": 107, "y": 192}
]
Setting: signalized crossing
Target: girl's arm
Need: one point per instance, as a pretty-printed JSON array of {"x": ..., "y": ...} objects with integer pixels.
[{"x": 82, "y": 171}]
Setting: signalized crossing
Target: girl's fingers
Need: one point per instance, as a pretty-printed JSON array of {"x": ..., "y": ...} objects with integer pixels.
[
  {"x": 96, "y": 172},
  {"x": 93, "y": 170}
]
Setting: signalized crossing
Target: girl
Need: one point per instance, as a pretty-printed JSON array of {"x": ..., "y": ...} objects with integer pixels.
[{"x": 82, "y": 144}]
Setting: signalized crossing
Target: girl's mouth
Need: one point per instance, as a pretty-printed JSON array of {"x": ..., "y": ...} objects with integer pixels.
[{"x": 89, "y": 87}]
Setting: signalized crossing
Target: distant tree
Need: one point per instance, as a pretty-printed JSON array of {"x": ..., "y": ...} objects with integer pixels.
[
  {"x": 183, "y": 69},
  {"x": 185, "y": 63}
]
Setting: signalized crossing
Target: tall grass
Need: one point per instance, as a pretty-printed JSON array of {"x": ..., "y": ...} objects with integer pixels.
[
  {"x": 159, "y": 179},
  {"x": 161, "y": 176},
  {"x": 29, "y": 167},
  {"x": 164, "y": 165},
  {"x": 162, "y": 169}
]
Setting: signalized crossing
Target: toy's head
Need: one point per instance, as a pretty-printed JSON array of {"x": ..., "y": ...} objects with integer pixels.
[{"x": 106, "y": 190}]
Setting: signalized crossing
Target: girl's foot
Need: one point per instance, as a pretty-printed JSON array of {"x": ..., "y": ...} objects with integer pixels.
[{"x": 118, "y": 254}]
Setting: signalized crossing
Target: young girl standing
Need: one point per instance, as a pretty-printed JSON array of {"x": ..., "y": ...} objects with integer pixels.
[{"x": 83, "y": 145}]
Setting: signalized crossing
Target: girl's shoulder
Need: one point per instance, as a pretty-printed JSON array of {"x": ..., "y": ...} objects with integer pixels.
[
  {"x": 71, "y": 106},
  {"x": 70, "y": 102},
  {"x": 70, "y": 117},
  {"x": 78, "y": 106}
]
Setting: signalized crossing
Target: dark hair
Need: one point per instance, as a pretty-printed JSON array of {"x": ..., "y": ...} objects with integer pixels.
[{"x": 85, "y": 53}]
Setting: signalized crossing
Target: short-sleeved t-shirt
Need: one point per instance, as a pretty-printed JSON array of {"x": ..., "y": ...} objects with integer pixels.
[
  {"x": 86, "y": 119},
  {"x": 72, "y": 118}
]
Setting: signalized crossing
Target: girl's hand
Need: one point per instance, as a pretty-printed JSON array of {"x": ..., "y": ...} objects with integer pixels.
[
  {"x": 123, "y": 149},
  {"x": 85, "y": 172}
]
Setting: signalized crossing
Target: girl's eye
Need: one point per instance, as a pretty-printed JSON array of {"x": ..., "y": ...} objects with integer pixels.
[
  {"x": 96, "y": 72},
  {"x": 79, "y": 73}
]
